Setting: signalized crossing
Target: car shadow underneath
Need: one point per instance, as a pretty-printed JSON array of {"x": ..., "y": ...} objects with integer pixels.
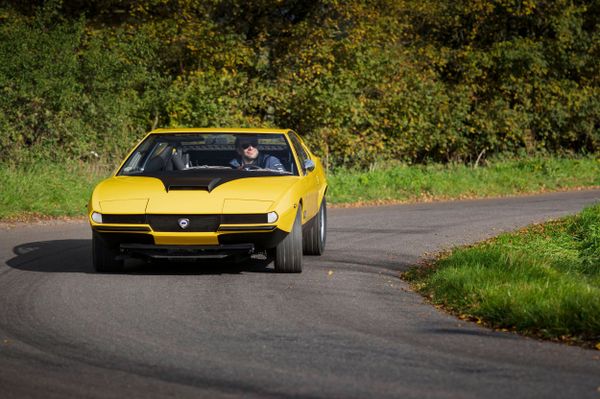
[{"x": 75, "y": 256}]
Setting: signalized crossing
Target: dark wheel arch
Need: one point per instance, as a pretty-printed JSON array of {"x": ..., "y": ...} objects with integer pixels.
[
  {"x": 287, "y": 255},
  {"x": 314, "y": 233}
]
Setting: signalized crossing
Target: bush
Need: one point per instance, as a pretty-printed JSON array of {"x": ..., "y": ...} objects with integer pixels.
[
  {"x": 68, "y": 92},
  {"x": 444, "y": 81}
]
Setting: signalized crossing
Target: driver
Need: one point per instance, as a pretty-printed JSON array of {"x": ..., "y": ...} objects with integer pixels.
[{"x": 246, "y": 147}]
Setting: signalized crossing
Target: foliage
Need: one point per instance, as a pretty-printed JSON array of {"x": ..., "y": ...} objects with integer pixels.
[
  {"x": 72, "y": 93},
  {"x": 414, "y": 81}
]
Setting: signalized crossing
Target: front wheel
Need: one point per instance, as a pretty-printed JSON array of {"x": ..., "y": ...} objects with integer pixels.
[
  {"x": 104, "y": 255},
  {"x": 287, "y": 255},
  {"x": 315, "y": 235}
]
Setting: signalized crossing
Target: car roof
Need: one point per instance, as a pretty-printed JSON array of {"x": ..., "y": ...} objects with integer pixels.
[{"x": 239, "y": 130}]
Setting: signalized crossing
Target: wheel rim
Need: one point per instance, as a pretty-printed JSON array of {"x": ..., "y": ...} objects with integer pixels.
[{"x": 322, "y": 224}]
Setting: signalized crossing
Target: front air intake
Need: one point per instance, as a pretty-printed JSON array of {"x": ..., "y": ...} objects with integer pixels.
[
  {"x": 174, "y": 187},
  {"x": 194, "y": 223}
]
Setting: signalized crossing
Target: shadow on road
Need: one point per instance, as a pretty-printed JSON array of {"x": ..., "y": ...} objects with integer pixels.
[{"x": 75, "y": 256}]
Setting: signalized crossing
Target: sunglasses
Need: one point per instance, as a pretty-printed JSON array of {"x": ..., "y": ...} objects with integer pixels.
[{"x": 245, "y": 146}]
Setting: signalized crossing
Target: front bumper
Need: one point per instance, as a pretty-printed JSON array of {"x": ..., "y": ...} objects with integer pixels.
[
  {"x": 193, "y": 252},
  {"x": 194, "y": 246},
  {"x": 198, "y": 230}
]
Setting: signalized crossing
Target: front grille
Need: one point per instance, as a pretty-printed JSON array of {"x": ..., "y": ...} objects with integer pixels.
[
  {"x": 252, "y": 218},
  {"x": 197, "y": 223},
  {"x": 124, "y": 219}
]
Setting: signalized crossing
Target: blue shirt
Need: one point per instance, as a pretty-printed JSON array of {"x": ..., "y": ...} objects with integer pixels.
[{"x": 264, "y": 161}]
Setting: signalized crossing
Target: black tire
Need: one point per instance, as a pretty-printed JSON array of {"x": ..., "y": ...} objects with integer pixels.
[
  {"x": 287, "y": 255},
  {"x": 104, "y": 255},
  {"x": 315, "y": 235}
]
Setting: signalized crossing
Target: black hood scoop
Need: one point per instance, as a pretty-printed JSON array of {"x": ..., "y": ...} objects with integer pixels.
[
  {"x": 206, "y": 183},
  {"x": 204, "y": 180}
]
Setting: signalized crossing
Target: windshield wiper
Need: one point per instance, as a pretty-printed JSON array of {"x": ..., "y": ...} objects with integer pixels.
[
  {"x": 209, "y": 167},
  {"x": 257, "y": 169}
]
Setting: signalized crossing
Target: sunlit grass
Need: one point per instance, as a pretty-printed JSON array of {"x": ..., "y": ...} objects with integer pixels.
[
  {"x": 47, "y": 190},
  {"x": 542, "y": 281},
  {"x": 399, "y": 182}
]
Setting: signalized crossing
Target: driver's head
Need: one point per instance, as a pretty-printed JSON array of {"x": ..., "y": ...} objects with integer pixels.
[{"x": 247, "y": 147}]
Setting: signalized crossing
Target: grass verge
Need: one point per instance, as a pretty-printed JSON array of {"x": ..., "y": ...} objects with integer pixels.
[
  {"x": 542, "y": 281},
  {"x": 501, "y": 177},
  {"x": 48, "y": 190},
  {"x": 52, "y": 190}
]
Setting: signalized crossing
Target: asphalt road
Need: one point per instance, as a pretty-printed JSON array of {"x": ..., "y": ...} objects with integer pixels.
[{"x": 347, "y": 327}]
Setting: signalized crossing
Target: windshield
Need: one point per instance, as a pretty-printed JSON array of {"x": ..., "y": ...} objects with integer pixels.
[{"x": 190, "y": 152}]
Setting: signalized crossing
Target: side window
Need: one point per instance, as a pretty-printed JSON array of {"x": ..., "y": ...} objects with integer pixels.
[
  {"x": 302, "y": 155},
  {"x": 136, "y": 161}
]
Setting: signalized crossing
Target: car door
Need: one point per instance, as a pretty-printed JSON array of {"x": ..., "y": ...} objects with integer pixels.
[{"x": 311, "y": 197}]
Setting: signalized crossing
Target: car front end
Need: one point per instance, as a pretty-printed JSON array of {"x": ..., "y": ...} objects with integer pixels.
[{"x": 148, "y": 220}]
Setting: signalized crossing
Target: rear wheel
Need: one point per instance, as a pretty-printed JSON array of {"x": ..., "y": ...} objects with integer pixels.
[
  {"x": 104, "y": 255},
  {"x": 287, "y": 255},
  {"x": 315, "y": 236}
]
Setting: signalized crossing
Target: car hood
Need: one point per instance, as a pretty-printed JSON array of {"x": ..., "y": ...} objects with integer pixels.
[{"x": 200, "y": 195}]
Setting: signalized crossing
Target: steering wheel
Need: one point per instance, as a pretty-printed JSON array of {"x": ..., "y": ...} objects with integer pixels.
[{"x": 251, "y": 167}]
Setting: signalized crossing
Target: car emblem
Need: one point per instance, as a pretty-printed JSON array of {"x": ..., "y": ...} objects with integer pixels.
[{"x": 184, "y": 223}]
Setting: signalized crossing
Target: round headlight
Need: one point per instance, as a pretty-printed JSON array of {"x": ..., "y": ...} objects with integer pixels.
[
  {"x": 97, "y": 217},
  {"x": 272, "y": 217}
]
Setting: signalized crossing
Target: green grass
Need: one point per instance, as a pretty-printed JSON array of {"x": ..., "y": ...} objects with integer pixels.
[
  {"x": 542, "y": 281},
  {"x": 501, "y": 177},
  {"x": 56, "y": 190},
  {"x": 47, "y": 190}
]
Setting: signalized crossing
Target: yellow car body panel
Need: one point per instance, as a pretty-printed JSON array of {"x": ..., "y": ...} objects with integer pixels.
[{"x": 128, "y": 203}]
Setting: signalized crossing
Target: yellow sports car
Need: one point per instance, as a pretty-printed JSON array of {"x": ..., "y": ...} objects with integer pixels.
[{"x": 212, "y": 193}]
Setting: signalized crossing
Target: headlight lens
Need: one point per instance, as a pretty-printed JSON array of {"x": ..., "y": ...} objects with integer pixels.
[
  {"x": 97, "y": 217},
  {"x": 272, "y": 217}
]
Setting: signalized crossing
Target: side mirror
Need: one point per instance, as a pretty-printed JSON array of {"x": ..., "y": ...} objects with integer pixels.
[{"x": 309, "y": 165}]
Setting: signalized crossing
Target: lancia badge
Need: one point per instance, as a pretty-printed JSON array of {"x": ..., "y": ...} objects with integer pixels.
[{"x": 184, "y": 223}]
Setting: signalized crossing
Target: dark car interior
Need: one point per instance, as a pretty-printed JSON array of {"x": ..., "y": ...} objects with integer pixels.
[{"x": 173, "y": 155}]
